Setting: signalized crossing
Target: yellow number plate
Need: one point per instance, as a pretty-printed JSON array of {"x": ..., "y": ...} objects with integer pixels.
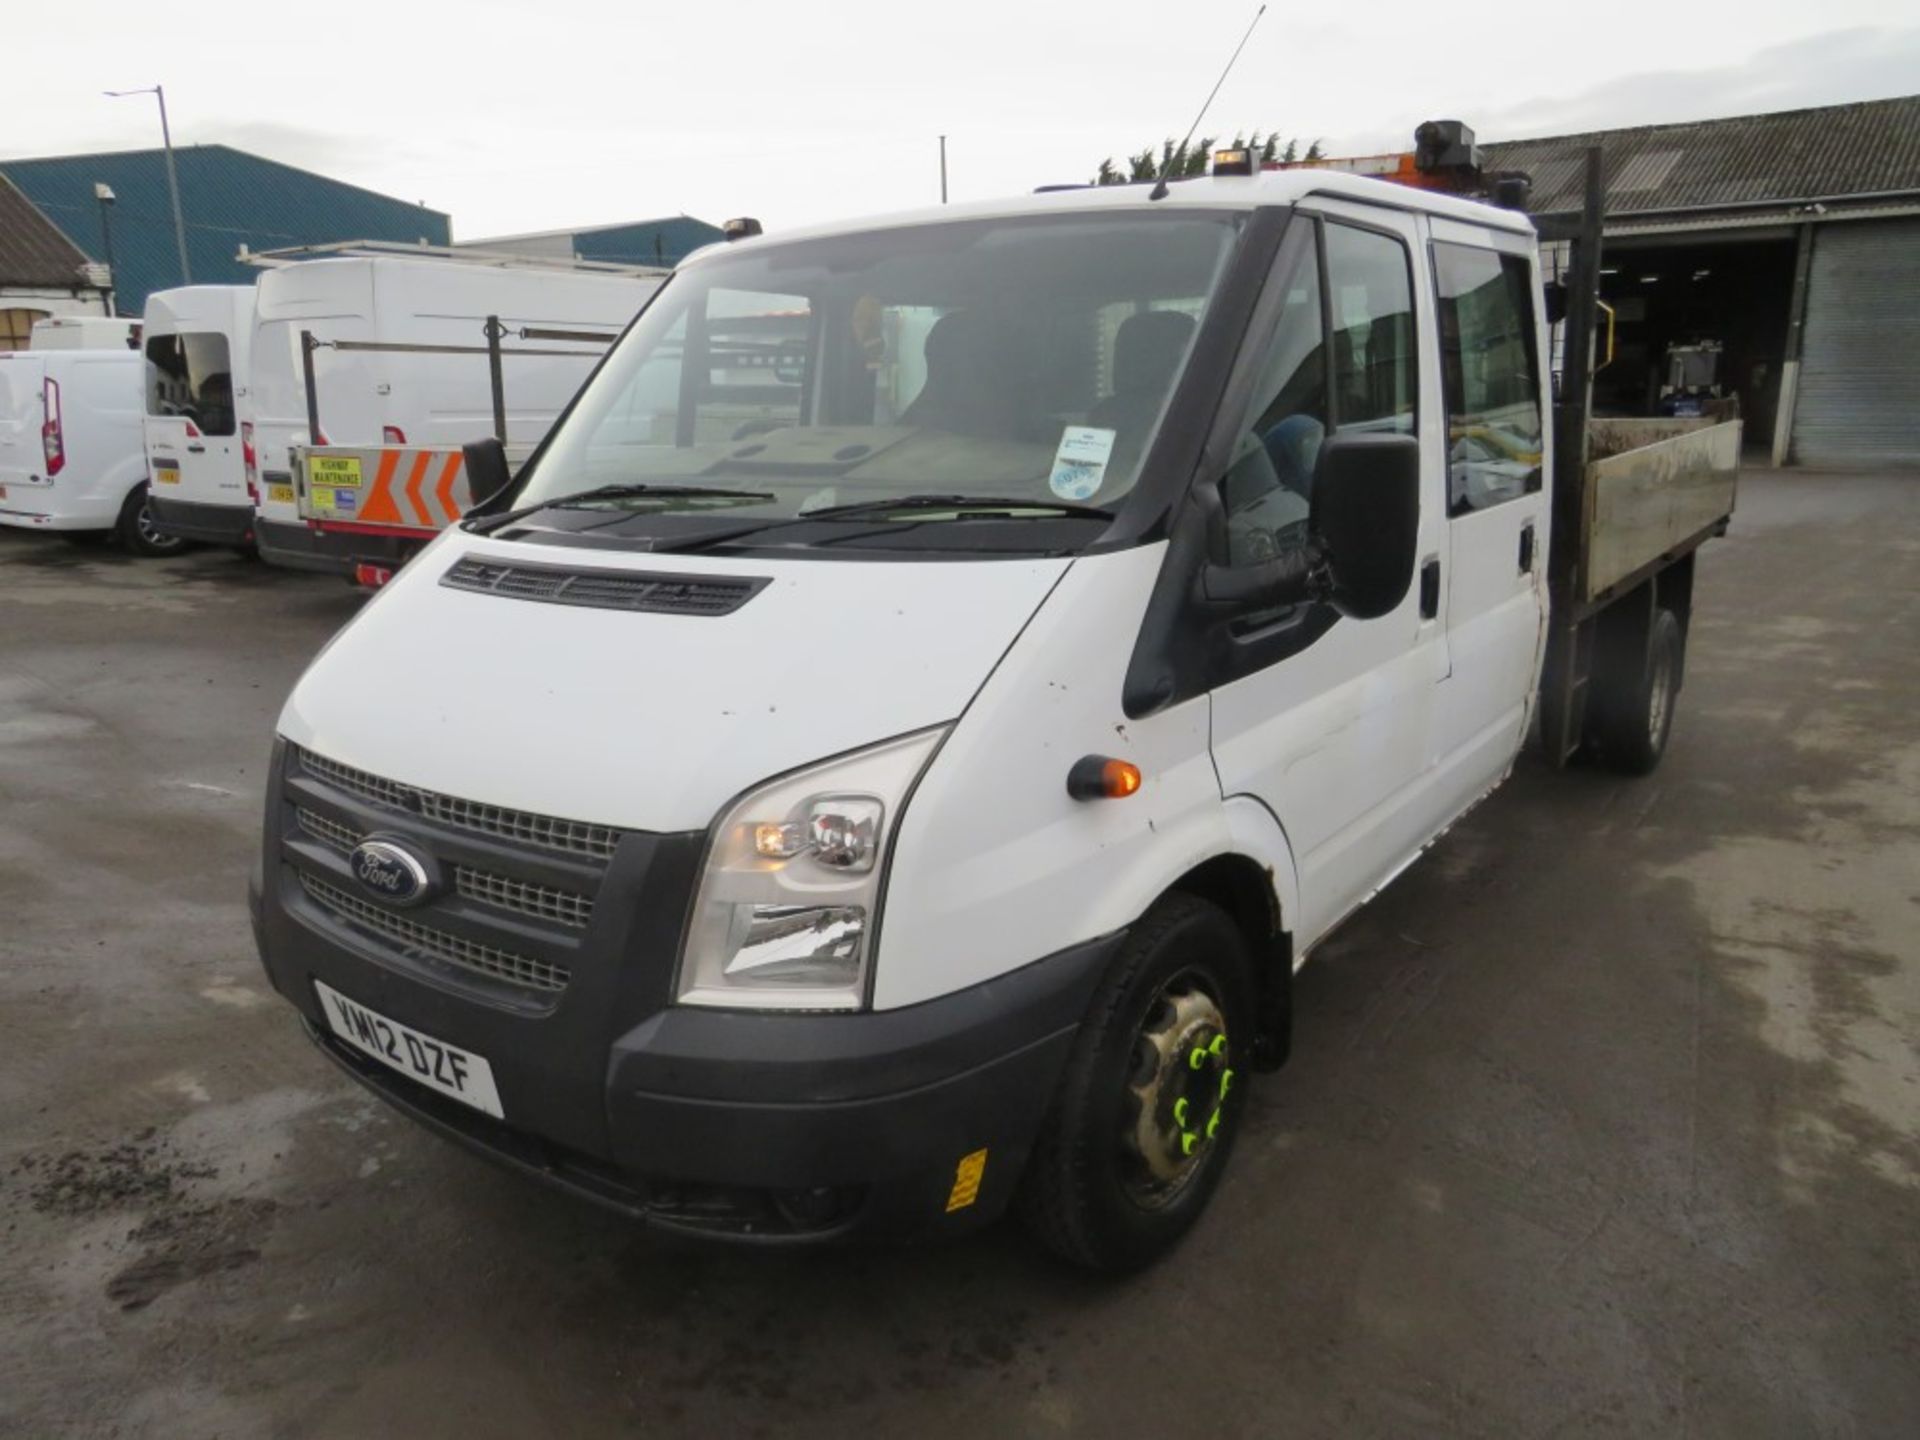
[
  {"x": 280, "y": 494},
  {"x": 167, "y": 474}
]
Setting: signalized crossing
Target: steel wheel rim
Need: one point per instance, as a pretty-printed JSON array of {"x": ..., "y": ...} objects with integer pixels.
[
  {"x": 1177, "y": 1081},
  {"x": 1660, "y": 698}
]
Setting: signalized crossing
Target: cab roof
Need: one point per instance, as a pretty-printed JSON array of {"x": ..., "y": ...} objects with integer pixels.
[{"x": 1227, "y": 192}]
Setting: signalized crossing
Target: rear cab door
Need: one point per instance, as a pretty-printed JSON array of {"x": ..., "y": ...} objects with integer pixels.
[{"x": 1486, "y": 286}]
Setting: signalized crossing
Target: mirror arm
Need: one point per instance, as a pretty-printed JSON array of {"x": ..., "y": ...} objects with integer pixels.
[{"x": 1301, "y": 574}]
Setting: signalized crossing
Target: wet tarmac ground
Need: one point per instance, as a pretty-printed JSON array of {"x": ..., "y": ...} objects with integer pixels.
[{"x": 1603, "y": 1120}]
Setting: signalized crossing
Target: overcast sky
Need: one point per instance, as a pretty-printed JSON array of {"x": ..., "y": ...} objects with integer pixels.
[{"x": 528, "y": 116}]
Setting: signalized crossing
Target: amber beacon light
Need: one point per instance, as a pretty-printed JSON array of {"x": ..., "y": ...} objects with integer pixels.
[{"x": 1097, "y": 777}]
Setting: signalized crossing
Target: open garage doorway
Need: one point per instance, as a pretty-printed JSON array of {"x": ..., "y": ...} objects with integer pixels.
[{"x": 1673, "y": 300}]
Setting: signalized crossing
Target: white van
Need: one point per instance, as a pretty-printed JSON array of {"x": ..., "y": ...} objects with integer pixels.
[
  {"x": 870, "y": 772},
  {"x": 198, "y": 432},
  {"x": 71, "y": 457},
  {"x": 84, "y": 332},
  {"x": 374, "y": 397}
]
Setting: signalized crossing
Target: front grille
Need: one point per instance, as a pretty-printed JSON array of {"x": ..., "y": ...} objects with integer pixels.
[
  {"x": 574, "y": 837},
  {"x": 424, "y": 939},
  {"x": 648, "y": 593},
  {"x": 483, "y": 886}
]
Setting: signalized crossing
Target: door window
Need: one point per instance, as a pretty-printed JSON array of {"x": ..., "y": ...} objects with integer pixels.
[
  {"x": 1375, "y": 365},
  {"x": 191, "y": 375},
  {"x": 1490, "y": 376},
  {"x": 1349, "y": 295}
]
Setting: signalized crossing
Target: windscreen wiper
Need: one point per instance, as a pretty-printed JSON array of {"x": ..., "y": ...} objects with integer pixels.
[
  {"x": 1000, "y": 506},
  {"x": 977, "y": 506},
  {"x": 488, "y": 523}
]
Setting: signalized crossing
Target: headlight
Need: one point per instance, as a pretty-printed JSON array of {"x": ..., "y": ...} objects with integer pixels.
[{"x": 784, "y": 918}]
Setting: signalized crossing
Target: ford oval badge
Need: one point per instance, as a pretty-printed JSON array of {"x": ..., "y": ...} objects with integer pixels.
[{"x": 390, "y": 871}]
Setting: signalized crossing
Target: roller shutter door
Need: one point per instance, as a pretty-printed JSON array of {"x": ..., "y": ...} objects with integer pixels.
[{"x": 1859, "y": 395}]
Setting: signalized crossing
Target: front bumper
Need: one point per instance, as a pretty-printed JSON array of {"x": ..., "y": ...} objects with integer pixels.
[
  {"x": 787, "y": 1128},
  {"x": 197, "y": 521}
]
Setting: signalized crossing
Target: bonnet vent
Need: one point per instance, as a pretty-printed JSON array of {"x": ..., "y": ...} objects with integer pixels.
[{"x": 652, "y": 594}]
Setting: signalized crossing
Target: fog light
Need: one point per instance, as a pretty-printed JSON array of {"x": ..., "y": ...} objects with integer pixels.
[{"x": 797, "y": 944}]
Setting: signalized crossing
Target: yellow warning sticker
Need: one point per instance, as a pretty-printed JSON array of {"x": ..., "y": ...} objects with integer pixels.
[
  {"x": 333, "y": 470},
  {"x": 966, "y": 1181}
]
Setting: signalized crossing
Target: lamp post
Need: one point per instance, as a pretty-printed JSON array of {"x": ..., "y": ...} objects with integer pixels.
[
  {"x": 159, "y": 92},
  {"x": 103, "y": 192},
  {"x": 943, "y": 169}
]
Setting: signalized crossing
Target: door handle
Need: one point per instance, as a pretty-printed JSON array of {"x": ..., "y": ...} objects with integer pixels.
[
  {"x": 1526, "y": 548},
  {"x": 1430, "y": 588},
  {"x": 196, "y": 449}
]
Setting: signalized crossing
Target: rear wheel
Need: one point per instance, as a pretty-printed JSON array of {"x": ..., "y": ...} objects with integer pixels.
[
  {"x": 1140, "y": 1130},
  {"x": 1633, "y": 711},
  {"x": 136, "y": 530}
]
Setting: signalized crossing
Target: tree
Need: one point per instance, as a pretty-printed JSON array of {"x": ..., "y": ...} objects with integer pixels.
[{"x": 1177, "y": 160}]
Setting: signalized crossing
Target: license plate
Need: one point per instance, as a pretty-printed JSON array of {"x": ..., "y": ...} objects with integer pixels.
[
  {"x": 167, "y": 474},
  {"x": 280, "y": 494},
  {"x": 458, "y": 1074}
]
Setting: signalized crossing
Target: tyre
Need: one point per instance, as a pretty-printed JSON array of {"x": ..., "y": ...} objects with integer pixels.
[
  {"x": 1633, "y": 713},
  {"x": 1142, "y": 1125},
  {"x": 136, "y": 531}
]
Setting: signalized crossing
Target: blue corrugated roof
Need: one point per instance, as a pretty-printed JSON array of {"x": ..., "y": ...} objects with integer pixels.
[
  {"x": 229, "y": 198},
  {"x": 663, "y": 240}
]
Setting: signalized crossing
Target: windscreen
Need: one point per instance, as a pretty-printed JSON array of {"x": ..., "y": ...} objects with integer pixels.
[
  {"x": 191, "y": 375},
  {"x": 1017, "y": 358}
]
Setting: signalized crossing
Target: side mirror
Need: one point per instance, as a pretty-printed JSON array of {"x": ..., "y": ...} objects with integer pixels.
[
  {"x": 487, "y": 472},
  {"x": 1366, "y": 519},
  {"x": 1363, "y": 528}
]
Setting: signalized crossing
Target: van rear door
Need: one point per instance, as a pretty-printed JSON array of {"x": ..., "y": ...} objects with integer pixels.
[
  {"x": 192, "y": 431},
  {"x": 22, "y": 450}
]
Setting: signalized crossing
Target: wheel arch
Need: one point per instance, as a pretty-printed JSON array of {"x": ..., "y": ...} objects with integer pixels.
[{"x": 1254, "y": 883}]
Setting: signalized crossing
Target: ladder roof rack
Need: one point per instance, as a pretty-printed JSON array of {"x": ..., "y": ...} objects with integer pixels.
[{"x": 373, "y": 249}]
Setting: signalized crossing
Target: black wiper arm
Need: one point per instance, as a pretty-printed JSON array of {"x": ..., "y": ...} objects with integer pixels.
[
  {"x": 972, "y": 503},
  {"x": 623, "y": 491},
  {"x": 488, "y": 523}
]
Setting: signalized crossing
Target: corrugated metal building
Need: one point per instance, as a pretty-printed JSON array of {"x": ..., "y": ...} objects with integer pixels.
[
  {"x": 229, "y": 199},
  {"x": 1792, "y": 240},
  {"x": 42, "y": 272},
  {"x": 666, "y": 240}
]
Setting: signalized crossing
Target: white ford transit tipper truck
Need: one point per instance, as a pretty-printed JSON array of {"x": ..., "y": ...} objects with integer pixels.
[
  {"x": 400, "y": 361},
  {"x": 199, "y": 426},
  {"x": 71, "y": 458},
  {"x": 884, "y": 762}
]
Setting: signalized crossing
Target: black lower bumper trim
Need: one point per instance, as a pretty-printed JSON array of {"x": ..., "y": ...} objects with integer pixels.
[
  {"x": 206, "y": 524},
  {"x": 329, "y": 552}
]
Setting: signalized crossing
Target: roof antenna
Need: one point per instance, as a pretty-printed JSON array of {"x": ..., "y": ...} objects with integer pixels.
[{"x": 1159, "y": 191}]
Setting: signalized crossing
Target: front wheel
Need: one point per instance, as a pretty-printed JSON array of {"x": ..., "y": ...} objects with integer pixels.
[
  {"x": 136, "y": 530},
  {"x": 1140, "y": 1130}
]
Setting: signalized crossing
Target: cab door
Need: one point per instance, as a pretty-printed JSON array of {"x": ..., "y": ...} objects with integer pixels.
[
  {"x": 1491, "y": 339},
  {"x": 1328, "y": 720}
]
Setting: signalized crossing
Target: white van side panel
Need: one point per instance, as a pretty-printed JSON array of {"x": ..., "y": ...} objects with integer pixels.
[{"x": 995, "y": 865}]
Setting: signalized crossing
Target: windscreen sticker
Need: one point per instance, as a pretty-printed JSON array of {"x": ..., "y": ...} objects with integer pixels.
[{"x": 1080, "y": 464}]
